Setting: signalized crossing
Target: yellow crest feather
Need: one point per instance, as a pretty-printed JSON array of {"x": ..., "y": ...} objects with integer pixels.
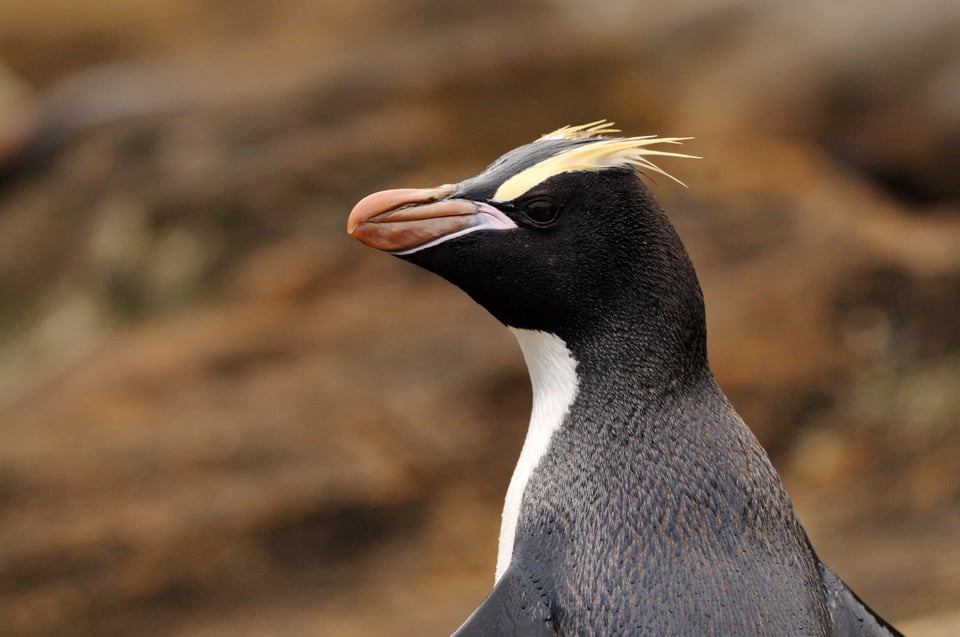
[
  {"x": 605, "y": 152},
  {"x": 593, "y": 129}
]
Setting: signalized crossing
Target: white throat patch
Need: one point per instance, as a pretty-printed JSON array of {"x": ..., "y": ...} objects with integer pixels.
[{"x": 553, "y": 375}]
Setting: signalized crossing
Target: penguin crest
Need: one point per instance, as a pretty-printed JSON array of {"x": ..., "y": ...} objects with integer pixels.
[{"x": 596, "y": 151}]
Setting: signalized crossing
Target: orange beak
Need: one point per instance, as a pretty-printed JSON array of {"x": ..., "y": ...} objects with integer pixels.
[{"x": 405, "y": 220}]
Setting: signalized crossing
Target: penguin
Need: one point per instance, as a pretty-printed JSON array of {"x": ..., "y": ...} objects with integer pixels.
[{"x": 641, "y": 504}]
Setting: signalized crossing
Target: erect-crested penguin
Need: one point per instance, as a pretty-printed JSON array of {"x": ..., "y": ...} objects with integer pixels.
[{"x": 641, "y": 503}]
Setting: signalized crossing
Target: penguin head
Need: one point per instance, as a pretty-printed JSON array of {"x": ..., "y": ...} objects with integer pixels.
[{"x": 559, "y": 235}]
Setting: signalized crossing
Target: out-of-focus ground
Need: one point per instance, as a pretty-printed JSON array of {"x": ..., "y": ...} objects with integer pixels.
[{"x": 221, "y": 416}]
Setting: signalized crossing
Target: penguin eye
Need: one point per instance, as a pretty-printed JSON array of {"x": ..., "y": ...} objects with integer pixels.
[{"x": 541, "y": 211}]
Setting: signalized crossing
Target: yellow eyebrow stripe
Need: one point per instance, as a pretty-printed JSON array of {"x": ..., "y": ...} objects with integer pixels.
[{"x": 632, "y": 152}]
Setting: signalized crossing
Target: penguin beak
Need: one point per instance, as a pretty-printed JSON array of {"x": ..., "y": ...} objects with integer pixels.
[{"x": 410, "y": 219}]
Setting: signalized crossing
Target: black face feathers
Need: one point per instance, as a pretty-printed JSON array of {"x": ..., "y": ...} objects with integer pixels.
[
  {"x": 608, "y": 261},
  {"x": 559, "y": 235}
]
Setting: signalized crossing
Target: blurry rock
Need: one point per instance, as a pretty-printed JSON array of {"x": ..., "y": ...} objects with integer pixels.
[
  {"x": 290, "y": 271},
  {"x": 944, "y": 625},
  {"x": 875, "y": 83},
  {"x": 16, "y": 115}
]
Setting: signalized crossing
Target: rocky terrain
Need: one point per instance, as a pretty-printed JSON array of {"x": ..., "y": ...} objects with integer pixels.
[{"x": 220, "y": 416}]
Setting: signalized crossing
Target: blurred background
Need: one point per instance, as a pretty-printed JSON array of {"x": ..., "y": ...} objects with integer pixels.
[{"x": 221, "y": 416}]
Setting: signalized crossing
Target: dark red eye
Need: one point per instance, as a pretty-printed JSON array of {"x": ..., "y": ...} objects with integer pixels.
[{"x": 541, "y": 211}]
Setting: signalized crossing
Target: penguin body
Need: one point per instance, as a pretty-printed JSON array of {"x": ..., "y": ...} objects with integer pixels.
[{"x": 641, "y": 503}]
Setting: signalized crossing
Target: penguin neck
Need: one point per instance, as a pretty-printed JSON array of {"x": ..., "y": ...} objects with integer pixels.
[
  {"x": 594, "y": 370},
  {"x": 555, "y": 384},
  {"x": 640, "y": 363}
]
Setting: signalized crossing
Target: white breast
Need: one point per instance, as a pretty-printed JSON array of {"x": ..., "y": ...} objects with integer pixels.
[{"x": 553, "y": 374}]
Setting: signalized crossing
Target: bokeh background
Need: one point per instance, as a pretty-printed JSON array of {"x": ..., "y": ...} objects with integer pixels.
[{"x": 221, "y": 416}]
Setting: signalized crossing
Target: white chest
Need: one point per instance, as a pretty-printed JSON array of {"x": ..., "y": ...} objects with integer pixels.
[{"x": 553, "y": 375}]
